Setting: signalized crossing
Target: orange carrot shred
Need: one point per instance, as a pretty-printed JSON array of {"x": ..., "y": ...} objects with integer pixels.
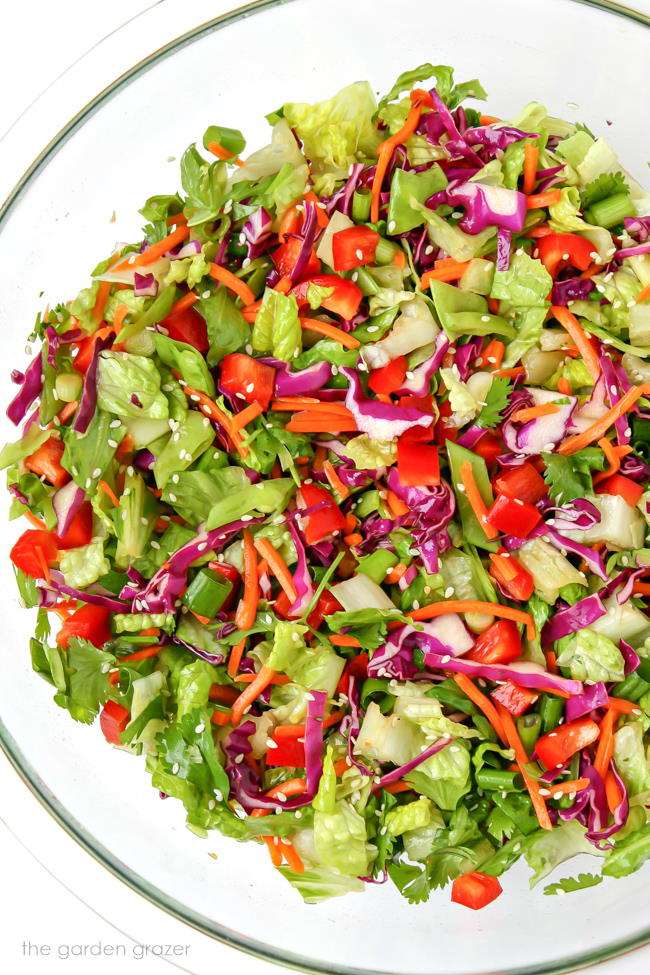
[
  {"x": 602, "y": 425},
  {"x": 334, "y": 480},
  {"x": 252, "y": 692},
  {"x": 580, "y": 338},
  {"x": 233, "y": 283},
  {"x": 548, "y": 199},
  {"x": 109, "y": 492},
  {"x": 385, "y": 152},
  {"x": 643, "y": 295},
  {"x": 482, "y": 702},
  {"x": 278, "y": 567},
  {"x": 245, "y": 416},
  {"x": 605, "y": 748},
  {"x": 514, "y": 741},
  {"x": 474, "y": 606},
  {"x": 477, "y": 503},
  {"x": 532, "y": 412},
  {"x": 103, "y": 292},
  {"x": 330, "y": 332},
  {"x": 247, "y": 609},
  {"x": 531, "y": 156},
  {"x": 153, "y": 253}
]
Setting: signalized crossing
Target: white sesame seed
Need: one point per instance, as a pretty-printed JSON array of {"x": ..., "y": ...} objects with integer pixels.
[
  {"x": 449, "y": 592},
  {"x": 544, "y": 792},
  {"x": 205, "y": 295},
  {"x": 172, "y": 498},
  {"x": 129, "y": 471},
  {"x": 246, "y": 518},
  {"x": 250, "y": 387},
  {"x": 358, "y": 254},
  {"x": 175, "y": 768},
  {"x": 239, "y": 759},
  {"x": 112, "y": 443}
]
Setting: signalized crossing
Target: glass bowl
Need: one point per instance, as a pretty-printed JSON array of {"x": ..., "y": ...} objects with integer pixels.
[{"x": 585, "y": 61}]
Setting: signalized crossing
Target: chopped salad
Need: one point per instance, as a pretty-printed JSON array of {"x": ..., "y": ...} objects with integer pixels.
[{"x": 337, "y": 483}]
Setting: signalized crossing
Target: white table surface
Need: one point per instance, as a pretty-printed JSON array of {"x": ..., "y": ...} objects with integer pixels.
[{"x": 47, "y": 925}]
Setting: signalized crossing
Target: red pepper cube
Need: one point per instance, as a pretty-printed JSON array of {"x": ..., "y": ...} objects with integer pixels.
[
  {"x": 475, "y": 890},
  {"x": 34, "y": 552},
  {"x": 624, "y": 487},
  {"x": 189, "y": 326},
  {"x": 46, "y": 462},
  {"x": 511, "y": 575},
  {"x": 418, "y": 465},
  {"x": 353, "y": 247},
  {"x": 247, "y": 378},
  {"x": 558, "y": 746},
  {"x": 499, "y": 644},
  {"x": 88, "y": 623},
  {"x": 522, "y": 483},
  {"x": 489, "y": 448},
  {"x": 389, "y": 378},
  {"x": 113, "y": 719},
  {"x": 513, "y": 517},
  {"x": 326, "y": 519},
  {"x": 344, "y": 299},
  {"x": 286, "y": 752},
  {"x": 514, "y": 698},
  {"x": 285, "y": 258}
]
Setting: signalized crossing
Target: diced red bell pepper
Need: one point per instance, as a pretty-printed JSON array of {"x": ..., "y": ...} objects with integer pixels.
[
  {"x": 514, "y": 698},
  {"x": 113, "y": 719},
  {"x": 499, "y": 644},
  {"x": 624, "y": 487},
  {"x": 230, "y": 573},
  {"x": 344, "y": 299},
  {"x": 88, "y": 623},
  {"x": 355, "y": 667},
  {"x": 46, "y": 462},
  {"x": 80, "y": 531},
  {"x": 557, "y": 250},
  {"x": 326, "y": 520},
  {"x": 489, "y": 448},
  {"x": 513, "y": 517},
  {"x": 523, "y": 483},
  {"x": 86, "y": 348},
  {"x": 188, "y": 326},
  {"x": 425, "y": 405},
  {"x": 353, "y": 247},
  {"x": 557, "y": 746},
  {"x": 286, "y": 256},
  {"x": 443, "y": 430},
  {"x": 326, "y": 605},
  {"x": 418, "y": 465},
  {"x": 511, "y": 574},
  {"x": 389, "y": 378},
  {"x": 248, "y": 378},
  {"x": 286, "y": 753},
  {"x": 32, "y": 550},
  {"x": 475, "y": 890}
]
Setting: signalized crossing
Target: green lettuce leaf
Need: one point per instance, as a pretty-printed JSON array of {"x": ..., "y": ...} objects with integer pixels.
[
  {"x": 629, "y": 854},
  {"x": 88, "y": 456},
  {"x": 526, "y": 283},
  {"x": 314, "y": 667},
  {"x": 553, "y": 847},
  {"x": 191, "y": 437},
  {"x": 412, "y": 815},
  {"x": 630, "y": 757},
  {"x": 266, "y": 497},
  {"x": 228, "y": 330},
  {"x": 592, "y": 657},
  {"x": 134, "y": 519},
  {"x": 277, "y": 326},
  {"x": 205, "y": 186},
  {"x": 13, "y": 453},
  {"x": 84, "y": 565},
  {"x": 341, "y": 842},
  {"x": 120, "y": 376},
  {"x": 187, "y": 361}
]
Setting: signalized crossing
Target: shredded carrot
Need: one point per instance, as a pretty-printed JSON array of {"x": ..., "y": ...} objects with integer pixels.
[
  {"x": 233, "y": 283},
  {"x": 33, "y": 520},
  {"x": 202, "y": 619},
  {"x": 284, "y": 285},
  {"x": 514, "y": 741},
  {"x": 252, "y": 692},
  {"x": 109, "y": 492},
  {"x": 622, "y": 706},
  {"x": 492, "y": 354},
  {"x": 68, "y": 410},
  {"x": 298, "y": 730},
  {"x": 643, "y": 295},
  {"x": 289, "y": 404},
  {"x": 601, "y": 426},
  {"x": 482, "y": 702},
  {"x": 510, "y": 373},
  {"x": 594, "y": 268},
  {"x": 330, "y": 332},
  {"x": 531, "y": 157},
  {"x": 605, "y": 748},
  {"x": 249, "y": 413},
  {"x": 476, "y": 502},
  {"x": 176, "y": 218},
  {"x": 221, "y": 153},
  {"x": 474, "y": 606},
  {"x": 399, "y": 260},
  {"x": 580, "y": 339},
  {"x": 236, "y": 654},
  {"x": 448, "y": 272},
  {"x": 343, "y": 640},
  {"x": 566, "y": 788},
  {"x": 290, "y": 854},
  {"x": 247, "y": 609},
  {"x": 321, "y": 215},
  {"x": 396, "y": 573},
  {"x": 272, "y": 846},
  {"x": 120, "y": 314},
  {"x": 612, "y": 792},
  {"x": 354, "y": 538},
  {"x": 342, "y": 766},
  {"x": 250, "y": 314},
  {"x": 103, "y": 292},
  {"x": 532, "y": 412},
  {"x": 125, "y": 448},
  {"x": 396, "y": 787},
  {"x": 262, "y": 568},
  {"x": 316, "y": 422},
  {"x": 184, "y": 303},
  {"x": 564, "y": 386},
  {"x": 153, "y": 253},
  {"x": 150, "y": 631},
  {"x": 396, "y": 506},
  {"x": 278, "y": 567},
  {"x": 547, "y": 199},
  {"x": 503, "y": 565},
  {"x": 335, "y": 481},
  {"x": 144, "y": 654},
  {"x": 250, "y": 678},
  {"x": 213, "y": 412},
  {"x": 384, "y": 153},
  {"x": 351, "y": 522},
  {"x": 488, "y": 119},
  {"x": 221, "y": 718},
  {"x": 614, "y": 455},
  {"x": 292, "y": 787}
]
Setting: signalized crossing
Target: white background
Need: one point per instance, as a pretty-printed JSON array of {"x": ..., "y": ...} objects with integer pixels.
[{"x": 39, "y": 41}]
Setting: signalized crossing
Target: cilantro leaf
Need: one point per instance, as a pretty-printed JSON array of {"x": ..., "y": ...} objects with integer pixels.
[
  {"x": 563, "y": 478},
  {"x": 603, "y": 186},
  {"x": 187, "y": 750},
  {"x": 369, "y": 626},
  {"x": 411, "y": 880},
  {"x": 496, "y": 401},
  {"x": 87, "y": 684},
  {"x": 570, "y": 884}
]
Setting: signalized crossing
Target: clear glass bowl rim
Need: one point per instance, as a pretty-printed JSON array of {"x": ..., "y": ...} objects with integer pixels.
[{"x": 9, "y": 745}]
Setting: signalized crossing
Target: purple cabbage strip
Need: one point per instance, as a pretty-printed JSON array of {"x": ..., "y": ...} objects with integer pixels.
[
  {"x": 466, "y": 354},
  {"x": 420, "y": 384},
  {"x": 630, "y": 657},
  {"x": 29, "y": 391},
  {"x": 594, "y": 696},
  {"x": 54, "y": 340},
  {"x": 622, "y": 425},
  {"x": 144, "y": 285},
  {"x": 576, "y": 617},
  {"x": 593, "y": 559},
  {"x": 403, "y": 770},
  {"x": 639, "y": 226},
  {"x": 504, "y": 239},
  {"x": 488, "y": 206},
  {"x": 351, "y": 726},
  {"x": 301, "y": 578},
  {"x": 497, "y": 138},
  {"x": 288, "y": 383},
  {"x": 380, "y": 420},
  {"x": 66, "y": 503},
  {"x": 88, "y": 400},
  {"x": 57, "y": 585},
  {"x": 257, "y": 233},
  {"x": 571, "y": 289},
  {"x": 342, "y": 199},
  {"x": 523, "y": 672},
  {"x": 211, "y": 658}
]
